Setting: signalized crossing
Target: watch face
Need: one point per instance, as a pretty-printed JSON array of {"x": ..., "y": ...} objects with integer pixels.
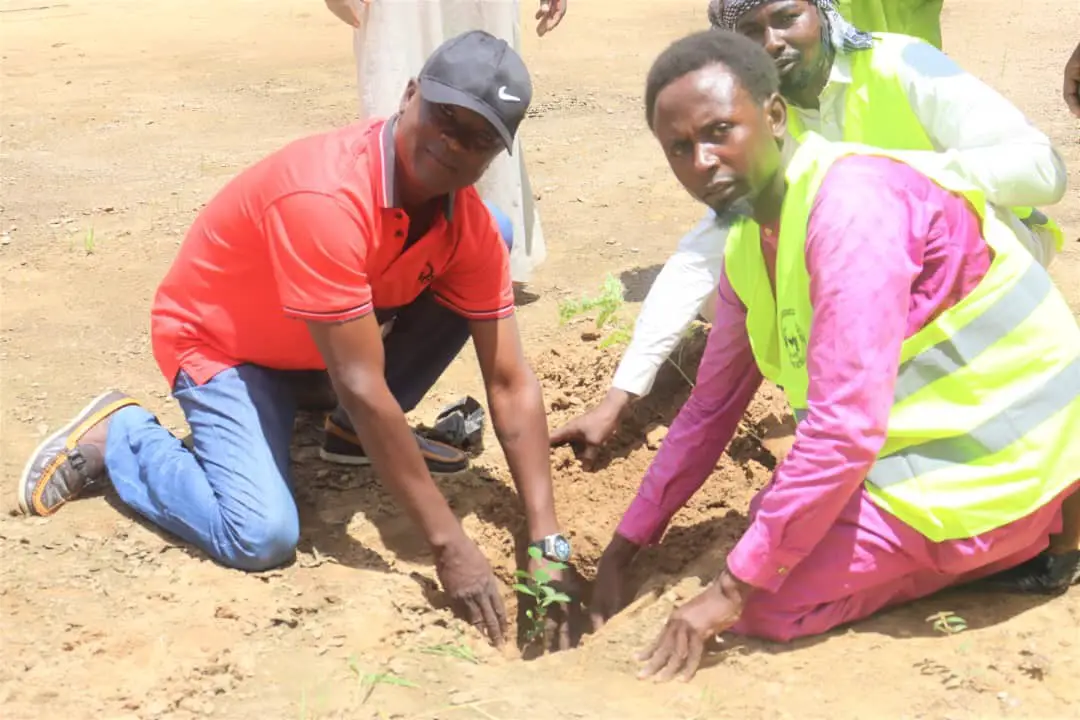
[{"x": 562, "y": 549}]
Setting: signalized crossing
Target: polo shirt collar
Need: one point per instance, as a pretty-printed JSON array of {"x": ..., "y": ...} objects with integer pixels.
[{"x": 389, "y": 165}]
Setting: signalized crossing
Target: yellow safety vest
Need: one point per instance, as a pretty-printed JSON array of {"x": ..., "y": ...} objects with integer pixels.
[
  {"x": 985, "y": 423},
  {"x": 877, "y": 113},
  {"x": 919, "y": 18}
]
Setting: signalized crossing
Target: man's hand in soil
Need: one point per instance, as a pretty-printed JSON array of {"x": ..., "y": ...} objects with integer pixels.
[
  {"x": 679, "y": 649},
  {"x": 1071, "y": 89},
  {"x": 353, "y": 352},
  {"x": 466, "y": 576},
  {"x": 610, "y": 586},
  {"x": 594, "y": 428},
  {"x": 549, "y": 15},
  {"x": 346, "y": 11}
]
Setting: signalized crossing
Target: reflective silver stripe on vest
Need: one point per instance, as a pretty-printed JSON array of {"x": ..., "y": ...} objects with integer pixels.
[
  {"x": 994, "y": 435},
  {"x": 1001, "y": 318}
]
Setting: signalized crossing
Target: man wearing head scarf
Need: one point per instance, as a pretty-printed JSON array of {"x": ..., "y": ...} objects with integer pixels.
[
  {"x": 917, "y": 18},
  {"x": 888, "y": 91},
  {"x": 897, "y": 92}
]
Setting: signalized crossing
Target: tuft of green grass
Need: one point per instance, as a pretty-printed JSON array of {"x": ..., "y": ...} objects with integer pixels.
[
  {"x": 367, "y": 682},
  {"x": 452, "y": 650},
  {"x": 609, "y": 302},
  {"x": 609, "y": 305}
]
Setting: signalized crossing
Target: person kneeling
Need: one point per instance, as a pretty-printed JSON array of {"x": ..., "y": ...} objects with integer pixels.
[
  {"x": 292, "y": 268},
  {"x": 933, "y": 368}
]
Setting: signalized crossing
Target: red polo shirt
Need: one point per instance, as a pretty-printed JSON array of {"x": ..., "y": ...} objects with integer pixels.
[{"x": 312, "y": 233}]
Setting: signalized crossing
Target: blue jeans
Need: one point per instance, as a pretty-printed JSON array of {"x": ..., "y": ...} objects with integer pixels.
[{"x": 232, "y": 497}]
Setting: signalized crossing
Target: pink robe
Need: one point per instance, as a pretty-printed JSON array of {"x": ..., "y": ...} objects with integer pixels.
[{"x": 887, "y": 250}]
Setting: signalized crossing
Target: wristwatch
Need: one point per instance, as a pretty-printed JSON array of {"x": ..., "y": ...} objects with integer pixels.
[{"x": 553, "y": 547}]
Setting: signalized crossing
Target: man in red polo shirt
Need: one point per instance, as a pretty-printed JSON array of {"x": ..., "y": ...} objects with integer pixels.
[{"x": 297, "y": 265}]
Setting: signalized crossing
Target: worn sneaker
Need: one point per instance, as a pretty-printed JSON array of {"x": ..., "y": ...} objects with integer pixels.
[
  {"x": 341, "y": 446},
  {"x": 69, "y": 459}
]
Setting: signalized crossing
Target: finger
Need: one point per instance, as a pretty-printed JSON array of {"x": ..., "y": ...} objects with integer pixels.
[
  {"x": 693, "y": 658},
  {"x": 564, "y": 634},
  {"x": 646, "y": 654},
  {"x": 551, "y": 630},
  {"x": 678, "y": 657},
  {"x": 558, "y": 629},
  {"x": 589, "y": 456},
  {"x": 543, "y": 15},
  {"x": 494, "y": 616},
  {"x": 470, "y": 610},
  {"x": 562, "y": 435},
  {"x": 558, "y": 15},
  {"x": 1072, "y": 97},
  {"x": 661, "y": 655}
]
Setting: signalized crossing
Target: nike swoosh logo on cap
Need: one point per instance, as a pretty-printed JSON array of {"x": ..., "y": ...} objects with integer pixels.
[{"x": 503, "y": 95}]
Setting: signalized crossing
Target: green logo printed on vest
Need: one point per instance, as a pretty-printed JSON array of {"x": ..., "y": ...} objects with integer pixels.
[{"x": 794, "y": 338}]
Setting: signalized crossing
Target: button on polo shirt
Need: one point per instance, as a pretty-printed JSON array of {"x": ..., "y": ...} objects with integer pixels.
[{"x": 311, "y": 233}]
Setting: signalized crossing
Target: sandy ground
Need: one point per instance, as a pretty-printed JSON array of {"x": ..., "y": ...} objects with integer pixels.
[{"x": 120, "y": 118}]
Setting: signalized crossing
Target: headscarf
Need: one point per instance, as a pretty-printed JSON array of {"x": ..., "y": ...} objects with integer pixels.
[{"x": 844, "y": 36}]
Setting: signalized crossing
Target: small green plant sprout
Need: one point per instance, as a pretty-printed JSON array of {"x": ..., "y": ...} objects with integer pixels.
[
  {"x": 88, "y": 242},
  {"x": 536, "y": 585},
  {"x": 947, "y": 622},
  {"x": 618, "y": 329},
  {"x": 459, "y": 651},
  {"x": 369, "y": 681},
  {"x": 608, "y": 304}
]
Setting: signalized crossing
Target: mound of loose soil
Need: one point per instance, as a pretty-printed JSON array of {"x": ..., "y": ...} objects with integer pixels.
[
  {"x": 591, "y": 503},
  {"x": 353, "y": 519}
]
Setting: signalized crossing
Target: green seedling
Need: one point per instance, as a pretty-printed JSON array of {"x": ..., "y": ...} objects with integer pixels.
[
  {"x": 609, "y": 304},
  {"x": 304, "y": 714},
  {"x": 947, "y": 622},
  {"x": 88, "y": 242},
  {"x": 452, "y": 650},
  {"x": 537, "y": 586},
  {"x": 367, "y": 682},
  {"x": 311, "y": 708}
]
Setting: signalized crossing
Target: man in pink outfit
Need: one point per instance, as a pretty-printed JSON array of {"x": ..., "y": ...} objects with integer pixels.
[{"x": 887, "y": 252}]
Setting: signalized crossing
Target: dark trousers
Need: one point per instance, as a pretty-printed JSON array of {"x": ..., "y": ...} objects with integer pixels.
[{"x": 424, "y": 340}]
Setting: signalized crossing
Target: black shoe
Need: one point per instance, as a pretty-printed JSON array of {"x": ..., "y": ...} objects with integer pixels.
[
  {"x": 342, "y": 447},
  {"x": 1044, "y": 574}
]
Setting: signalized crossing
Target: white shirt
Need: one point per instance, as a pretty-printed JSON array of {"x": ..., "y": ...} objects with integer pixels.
[{"x": 979, "y": 134}]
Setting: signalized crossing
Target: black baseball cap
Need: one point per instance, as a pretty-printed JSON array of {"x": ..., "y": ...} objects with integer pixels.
[{"x": 480, "y": 72}]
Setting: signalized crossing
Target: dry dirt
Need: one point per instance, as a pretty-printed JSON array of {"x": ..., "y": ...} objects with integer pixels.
[{"x": 120, "y": 118}]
